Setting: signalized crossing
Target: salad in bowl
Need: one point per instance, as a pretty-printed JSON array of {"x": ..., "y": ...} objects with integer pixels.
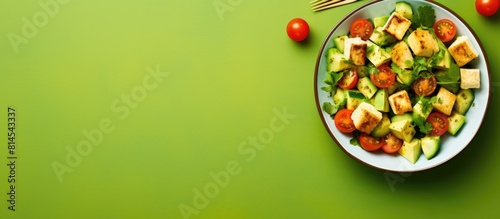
[{"x": 402, "y": 85}]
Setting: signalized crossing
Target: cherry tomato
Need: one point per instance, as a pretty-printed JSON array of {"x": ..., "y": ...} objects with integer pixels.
[
  {"x": 361, "y": 28},
  {"x": 384, "y": 78},
  {"x": 343, "y": 121},
  {"x": 439, "y": 123},
  {"x": 297, "y": 29},
  {"x": 348, "y": 80},
  {"x": 369, "y": 142},
  {"x": 487, "y": 7},
  {"x": 392, "y": 144},
  {"x": 424, "y": 85},
  {"x": 445, "y": 30}
]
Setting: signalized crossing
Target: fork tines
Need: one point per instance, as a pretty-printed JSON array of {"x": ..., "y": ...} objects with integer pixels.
[{"x": 319, "y": 5}]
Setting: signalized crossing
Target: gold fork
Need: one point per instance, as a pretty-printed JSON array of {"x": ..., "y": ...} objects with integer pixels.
[{"x": 319, "y": 5}]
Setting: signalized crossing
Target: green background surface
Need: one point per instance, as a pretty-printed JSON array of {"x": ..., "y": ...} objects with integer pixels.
[{"x": 230, "y": 75}]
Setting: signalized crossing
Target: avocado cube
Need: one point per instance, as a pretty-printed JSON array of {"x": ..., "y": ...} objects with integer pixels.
[
  {"x": 382, "y": 128},
  {"x": 411, "y": 150},
  {"x": 354, "y": 98},
  {"x": 465, "y": 98},
  {"x": 380, "y": 21},
  {"x": 405, "y": 116},
  {"x": 403, "y": 130},
  {"x": 336, "y": 61},
  {"x": 366, "y": 86},
  {"x": 430, "y": 145},
  {"x": 381, "y": 38},
  {"x": 405, "y": 77},
  {"x": 340, "y": 42},
  {"x": 380, "y": 100},
  {"x": 445, "y": 63},
  {"x": 339, "y": 98},
  {"x": 393, "y": 87},
  {"x": 376, "y": 54},
  {"x": 456, "y": 121},
  {"x": 419, "y": 111},
  {"x": 361, "y": 69}
]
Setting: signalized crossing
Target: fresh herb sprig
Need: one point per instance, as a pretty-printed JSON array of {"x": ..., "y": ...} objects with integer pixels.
[
  {"x": 424, "y": 18},
  {"x": 331, "y": 80},
  {"x": 422, "y": 125},
  {"x": 426, "y": 106}
]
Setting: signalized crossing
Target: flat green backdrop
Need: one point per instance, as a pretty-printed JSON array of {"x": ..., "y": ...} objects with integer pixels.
[{"x": 152, "y": 109}]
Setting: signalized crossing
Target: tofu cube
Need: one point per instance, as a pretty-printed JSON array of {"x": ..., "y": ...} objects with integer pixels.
[
  {"x": 463, "y": 51},
  {"x": 401, "y": 55},
  {"x": 355, "y": 50},
  {"x": 400, "y": 102},
  {"x": 445, "y": 101},
  {"x": 397, "y": 26},
  {"x": 470, "y": 78},
  {"x": 366, "y": 117},
  {"x": 422, "y": 43}
]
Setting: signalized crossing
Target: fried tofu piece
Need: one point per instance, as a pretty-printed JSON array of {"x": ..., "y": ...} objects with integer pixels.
[
  {"x": 401, "y": 55},
  {"x": 397, "y": 26},
  {"x": 355, "y": 50},
  {"x": 400, "y": 102},
  {"x": 422, "y": 43},
  {"x": 469, "y": 78},
  {"x": 463, "y": 51},
  {"x": 445, "y": 101},
  {"x": 366, "y": 117}
]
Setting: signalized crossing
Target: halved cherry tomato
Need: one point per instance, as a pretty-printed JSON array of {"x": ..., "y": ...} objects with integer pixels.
[
  {"x": 392, "y": 144},
  {"x": 424, "y": 85},
  {"x": 384, "y": 78},
  {"x": 439, "y": 123},
  {"x": 348, "y": 80},
  {"x": 362, "y": 28},
  {"x": 369, "y": 142},
  {"x": 343, "y": 121},
  {"x": 445, "y": 30}
]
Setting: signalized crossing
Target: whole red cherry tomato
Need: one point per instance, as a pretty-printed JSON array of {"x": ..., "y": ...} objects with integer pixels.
[
  {"x": 487, "y": 7},
  {"x": 297, "y": 29}
]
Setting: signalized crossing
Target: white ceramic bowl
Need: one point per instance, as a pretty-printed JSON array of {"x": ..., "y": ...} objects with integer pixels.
[{"x": 450, "y": 145}]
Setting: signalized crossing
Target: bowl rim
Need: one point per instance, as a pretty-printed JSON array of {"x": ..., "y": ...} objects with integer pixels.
[{"x": 320, "y": 54}]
